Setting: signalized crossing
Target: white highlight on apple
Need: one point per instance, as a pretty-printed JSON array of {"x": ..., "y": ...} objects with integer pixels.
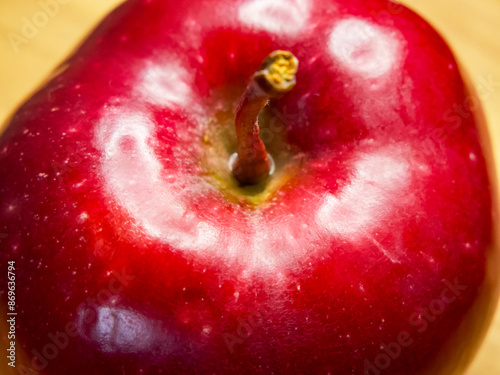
[
  {"x": 275, "y": 16},
  {"x": 123, "y": 331},
  {"x": 133, "y": 176},
  {"x": 165, "y": 83},
  {"x": 364, "y": 48},
  {"x": 379, "y": 181}
]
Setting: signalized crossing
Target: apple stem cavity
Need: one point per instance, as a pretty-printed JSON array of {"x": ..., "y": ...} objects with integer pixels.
[{"x": 275, "y": 78}]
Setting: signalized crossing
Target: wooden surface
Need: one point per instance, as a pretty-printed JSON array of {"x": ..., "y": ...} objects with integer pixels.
[{"x": 472, "y": 27}]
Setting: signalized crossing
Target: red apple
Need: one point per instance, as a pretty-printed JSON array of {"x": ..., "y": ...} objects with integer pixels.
[{"x": 370, "y": 250}]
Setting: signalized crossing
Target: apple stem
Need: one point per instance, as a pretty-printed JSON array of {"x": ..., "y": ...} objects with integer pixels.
[{"x": 275, "y": 78}]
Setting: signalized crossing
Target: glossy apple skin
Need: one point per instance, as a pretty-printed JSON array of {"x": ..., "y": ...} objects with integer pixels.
[{"x": 104, "y": 171}]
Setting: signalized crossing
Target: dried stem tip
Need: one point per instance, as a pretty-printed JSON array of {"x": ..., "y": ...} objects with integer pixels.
[{"x": 277, "y": 74}]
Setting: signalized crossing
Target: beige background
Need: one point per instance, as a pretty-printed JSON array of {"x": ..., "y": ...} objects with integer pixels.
[{"x": 471, "y": 26}]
